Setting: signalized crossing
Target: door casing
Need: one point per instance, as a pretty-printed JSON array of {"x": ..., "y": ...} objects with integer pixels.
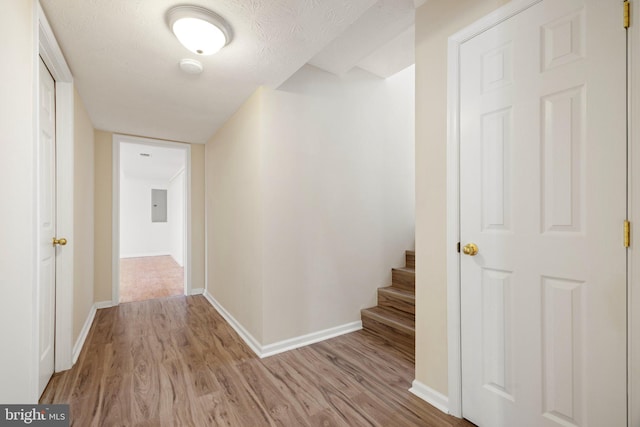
[
  {"x": 52, "y": 56},
  {"x": 115, "y": 267},
  {"x": 453, "y": 212},
  {"x": 633, "y": 277}
]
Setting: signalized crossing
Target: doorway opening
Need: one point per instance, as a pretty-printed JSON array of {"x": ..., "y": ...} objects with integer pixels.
[{"x": 151, "y": 219}]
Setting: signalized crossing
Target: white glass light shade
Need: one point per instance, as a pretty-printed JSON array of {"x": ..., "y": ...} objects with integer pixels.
[
  {"x": 199, "y": 36},
  {"x": 199, "y": 30}
]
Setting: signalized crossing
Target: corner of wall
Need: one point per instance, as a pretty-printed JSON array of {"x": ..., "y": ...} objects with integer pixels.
[{"x": 233, "y": 216}]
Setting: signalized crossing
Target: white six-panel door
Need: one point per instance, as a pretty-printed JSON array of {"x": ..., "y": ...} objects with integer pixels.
[
  {"x": 542, "y": 194},
  {"x": 46, "y": 226}
]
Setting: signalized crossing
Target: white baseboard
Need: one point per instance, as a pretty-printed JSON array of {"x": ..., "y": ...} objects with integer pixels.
[
  {"x": 429, "y": 395},
  {"x": 244, "y": 334},
  {"x": 281, "y": 346},
  {"x": 145, "y": 254},
  {"x": 197, "y": 291},
  {"x": 103, "y": 304},
  {"x": 314, "y": 337},
  {"x": 77, "y": 348}
]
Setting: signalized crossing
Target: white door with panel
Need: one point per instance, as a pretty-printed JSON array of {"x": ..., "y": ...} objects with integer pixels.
[
  {"x": 542, "y": 195},
  {"x": 46, "y": 226}
]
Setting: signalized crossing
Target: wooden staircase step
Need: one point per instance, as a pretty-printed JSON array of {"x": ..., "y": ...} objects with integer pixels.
[
  {"x": 393, "y": 318},
  {"x": 410, "y": 259},
  {"x": 393, "y": 326},
  {"x": 397, "y": 298},
  {"x": 404, "y": 278}
]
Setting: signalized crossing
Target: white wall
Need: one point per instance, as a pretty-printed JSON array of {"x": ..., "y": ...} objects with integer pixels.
[
  {"x": 338, "y": 186},
  {"x": 175, "y": 217},
  {"x": 138, "y": 235},
  {"x": 18, "y": 354},
  {"x": 310, "y": 201}
]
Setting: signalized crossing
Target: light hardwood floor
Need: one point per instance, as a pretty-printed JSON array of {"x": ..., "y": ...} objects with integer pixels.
[
  {"x": 176, "y": 362},
  {"x": 145, "y": 278}
]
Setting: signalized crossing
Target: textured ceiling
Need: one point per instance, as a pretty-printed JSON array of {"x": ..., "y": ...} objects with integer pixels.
[{"x": 125, "y": 60}]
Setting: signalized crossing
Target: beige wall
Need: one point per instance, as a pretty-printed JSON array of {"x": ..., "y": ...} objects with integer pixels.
[
  {"x": 83, "y": 215},
  {"x": 310, "y": 201},
  {"x": 435, "y": 22},
  {"x": 197, "y": 217},
  {"x": 102, "y": 226},
  {"x": 103, "y": 215},
  {"x": 234, "y": 216},
  {"x": 18, "y": 354}
]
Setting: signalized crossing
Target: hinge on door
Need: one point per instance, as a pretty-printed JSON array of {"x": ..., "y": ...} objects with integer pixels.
[
  {"x": 626, "y": 14},
  {"x": 627, "y": 233}
]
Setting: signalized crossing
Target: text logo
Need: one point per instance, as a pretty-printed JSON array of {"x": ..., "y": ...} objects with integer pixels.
[{"x": 34, "y": 415}]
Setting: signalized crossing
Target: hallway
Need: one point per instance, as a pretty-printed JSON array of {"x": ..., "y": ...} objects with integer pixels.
[{"x": 175, "y": 361}]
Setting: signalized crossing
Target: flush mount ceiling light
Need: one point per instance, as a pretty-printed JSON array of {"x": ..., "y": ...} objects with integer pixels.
[{"x": 200, "y": 30}]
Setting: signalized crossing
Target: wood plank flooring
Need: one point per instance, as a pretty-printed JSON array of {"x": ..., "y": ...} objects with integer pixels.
[{"x": 176, "y": 362}]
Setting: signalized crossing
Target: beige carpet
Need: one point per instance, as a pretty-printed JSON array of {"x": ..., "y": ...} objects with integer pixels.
[{"x": 150, "y": 277}]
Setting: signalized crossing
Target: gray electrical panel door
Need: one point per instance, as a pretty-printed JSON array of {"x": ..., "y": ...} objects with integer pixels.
[{"x": 158, "y": 205}]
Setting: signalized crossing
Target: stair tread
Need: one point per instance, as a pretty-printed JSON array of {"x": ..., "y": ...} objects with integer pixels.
[
  {"x": 400, "y": 299},
  {"x": 410, "y": 259},
  {"x": 391, "y": 317},
  {"x": 406, "y": 269},
  {"x": 403, "y": 277},
  {"x": 399, "y": 293}
]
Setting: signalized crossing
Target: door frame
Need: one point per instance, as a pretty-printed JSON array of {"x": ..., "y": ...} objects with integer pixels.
[
  {"x": 53, "y": 58},
  {"x": 453, "y": 206},
  {"x": 115, "y": 249},
  {"x": 454, "y": 309},
  {"x": 633, "y": 214}
]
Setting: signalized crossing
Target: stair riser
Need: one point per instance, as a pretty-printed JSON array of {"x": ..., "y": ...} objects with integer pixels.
[
  {"x": 400, "y": 340},
  {"x": 403, "y": 279},
  {"x": 386, "y": 300},
  {"x": 410, "y": 260}
]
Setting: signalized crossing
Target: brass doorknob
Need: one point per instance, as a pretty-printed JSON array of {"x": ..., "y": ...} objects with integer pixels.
[
  {"x": 470, "y": 249},
  {"x": 60, "y": 242}
]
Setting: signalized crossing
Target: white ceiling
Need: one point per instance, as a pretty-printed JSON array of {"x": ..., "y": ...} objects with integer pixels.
[
  {"x": 393, "y": 56},
  {"x": 379, "y": 24},
  {"x": 162, "y": 164},
  {"x": 125, "y": 60}
]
